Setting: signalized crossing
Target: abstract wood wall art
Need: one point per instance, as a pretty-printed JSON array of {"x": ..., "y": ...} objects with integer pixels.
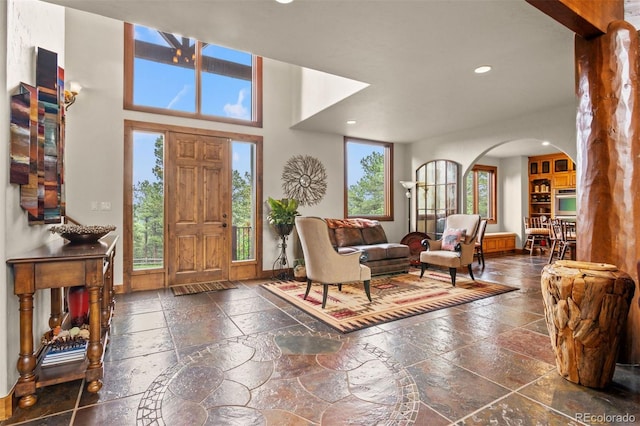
[
  {"x": 20, "y": 138},
  {"x": 29, "y": 191},
  {"x": 37, "y": 142}
]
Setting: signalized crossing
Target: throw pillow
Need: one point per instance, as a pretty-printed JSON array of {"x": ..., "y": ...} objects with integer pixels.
[{"x": 452, "y": 237}]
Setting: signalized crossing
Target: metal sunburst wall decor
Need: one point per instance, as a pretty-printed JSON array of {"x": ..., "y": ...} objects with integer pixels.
[{"x": 305, "y": 179}]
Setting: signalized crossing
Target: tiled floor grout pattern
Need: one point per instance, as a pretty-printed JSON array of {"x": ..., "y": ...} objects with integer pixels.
[{"x": 246, "y": 357}]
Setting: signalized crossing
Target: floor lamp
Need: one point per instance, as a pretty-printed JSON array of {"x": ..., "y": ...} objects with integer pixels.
[{"x": 408, "y": 185}]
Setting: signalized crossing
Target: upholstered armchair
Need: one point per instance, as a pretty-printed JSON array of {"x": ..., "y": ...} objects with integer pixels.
[
  {"x": 323, "y": 263},
  {"x": 456, "y": 247}
]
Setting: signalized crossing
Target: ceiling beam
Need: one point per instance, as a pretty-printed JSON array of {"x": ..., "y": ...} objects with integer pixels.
[
  {"x": 165, "y": 55},
  {"x": 587, "y": 18}
]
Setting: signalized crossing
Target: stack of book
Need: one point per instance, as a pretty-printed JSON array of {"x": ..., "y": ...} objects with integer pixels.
[{"x": 63, "y": 352}]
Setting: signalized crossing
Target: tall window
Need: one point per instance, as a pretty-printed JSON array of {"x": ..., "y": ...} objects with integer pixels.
[
  {"x": 148, "y": 200},
  {"x": 243, "y": 200},
  {"x": 436, "y": 196},
  {"x": 171, "y": 74},
  {"x": 368, "y": 177},
  {"x": 481, "y": 192}
]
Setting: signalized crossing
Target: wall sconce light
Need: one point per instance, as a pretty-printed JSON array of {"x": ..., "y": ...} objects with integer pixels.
[
  {"x": 71, "y": 93},
  {"x": 408, "y": 185}
]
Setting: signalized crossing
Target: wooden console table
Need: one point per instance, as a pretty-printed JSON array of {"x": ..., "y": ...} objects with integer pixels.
[{"x": 55, "y": 266}]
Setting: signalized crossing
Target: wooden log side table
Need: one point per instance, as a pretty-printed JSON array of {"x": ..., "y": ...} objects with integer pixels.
[
  {"x": 586, "y": 306},
  {"x": 55, "y": 266}
]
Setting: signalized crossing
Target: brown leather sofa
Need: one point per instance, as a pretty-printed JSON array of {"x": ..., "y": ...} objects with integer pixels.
[{"x": 368, "y": 236}]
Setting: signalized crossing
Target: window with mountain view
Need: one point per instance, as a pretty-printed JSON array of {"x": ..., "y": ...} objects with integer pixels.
[
  {"x": 481, "y": 192},
  {"x": 148, "y": 200},
  {"x": 243, "y": 200},
  {"x": 368, "y": 175}
]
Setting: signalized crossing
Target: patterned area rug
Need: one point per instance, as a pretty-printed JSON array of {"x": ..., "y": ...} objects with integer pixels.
[
  {"x": 181, "y": 290},
  {"x": 394, "y": 297}
]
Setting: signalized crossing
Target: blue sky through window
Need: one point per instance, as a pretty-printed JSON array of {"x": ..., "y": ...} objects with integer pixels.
[
  {"x": 356, "y": 152},
  {"x": 173, "y": 87}
]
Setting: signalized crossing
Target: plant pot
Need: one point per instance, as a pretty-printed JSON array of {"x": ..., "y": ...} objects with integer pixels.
[
  {"x": 284, "y": 229},
  {"x": 300, "y": 273}
]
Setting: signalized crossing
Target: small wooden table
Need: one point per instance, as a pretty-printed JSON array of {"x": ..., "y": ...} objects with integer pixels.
[{"x": 57, "y": 265}]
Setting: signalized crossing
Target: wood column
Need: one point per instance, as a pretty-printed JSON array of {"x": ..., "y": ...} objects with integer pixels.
[{"x": 608, "y": 142}]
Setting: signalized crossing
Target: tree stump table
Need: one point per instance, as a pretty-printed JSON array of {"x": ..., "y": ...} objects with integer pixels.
[{"x": 586, "y": 306}]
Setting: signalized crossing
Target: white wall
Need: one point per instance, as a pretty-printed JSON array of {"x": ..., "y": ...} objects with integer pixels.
[
  {"x": 319, "y": 90},
  {"x": 556, "y": 125},
  {"x": 29, "y": 24},
  {"x": 514, "y": 180}
]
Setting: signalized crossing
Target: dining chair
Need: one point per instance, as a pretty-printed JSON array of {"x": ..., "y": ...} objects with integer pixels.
[
  {"x": 554, "y": 239},
  {"x": 565, "y": 237},
  {"x": 536, "y": 230},
  {"x": 569, "y": 237}
]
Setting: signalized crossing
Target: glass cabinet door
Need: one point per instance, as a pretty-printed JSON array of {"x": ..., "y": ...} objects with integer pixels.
[{"x": 437, "y": 195}]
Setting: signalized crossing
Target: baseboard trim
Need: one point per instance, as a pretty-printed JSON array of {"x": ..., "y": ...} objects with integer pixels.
[{"x": 7, "y": 404}]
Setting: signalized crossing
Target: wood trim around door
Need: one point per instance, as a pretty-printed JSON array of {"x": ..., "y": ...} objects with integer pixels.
[{"x": 157, "y": 278}]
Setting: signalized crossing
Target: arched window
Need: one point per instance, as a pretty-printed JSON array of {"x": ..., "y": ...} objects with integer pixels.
[{"x": 436, "y": 195}]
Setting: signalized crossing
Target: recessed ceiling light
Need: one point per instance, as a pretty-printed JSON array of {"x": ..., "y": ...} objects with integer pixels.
[
  {"x": 546, "y": 143},
  {"x": 483, "y": 69},
  {"x": 351, "y": 121},
  {"x": 284, "y": 1}
]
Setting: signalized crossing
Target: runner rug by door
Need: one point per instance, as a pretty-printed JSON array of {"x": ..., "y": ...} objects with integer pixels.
[
  {"x": 393, "y": 297},
  {"x": 181, "y": 290}
]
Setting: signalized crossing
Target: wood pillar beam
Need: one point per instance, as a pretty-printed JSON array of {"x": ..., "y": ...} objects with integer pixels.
[
  {"x": 587, "y": 18},
  {"x": 607, "y": 58},
  {"x": 608, "y": 133}
]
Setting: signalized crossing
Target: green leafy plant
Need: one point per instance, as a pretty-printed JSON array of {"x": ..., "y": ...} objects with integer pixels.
[
  {"x": 283, "y": 214},
  {"x": 283, "y": 211}
]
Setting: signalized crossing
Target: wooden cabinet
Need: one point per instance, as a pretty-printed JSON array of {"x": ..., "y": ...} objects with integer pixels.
[
  {"x": 499, "y": 242},
  {"x": 55, "y": 266},
  {"x": 546, "y": 174},
  {"x": 539, "y": 168},
  {"x": 564, "y": 180},
  {"x": 540, "y": 197}
]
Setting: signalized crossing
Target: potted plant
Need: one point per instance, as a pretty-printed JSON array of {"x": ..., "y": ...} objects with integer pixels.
[
  {"x": 299, "y": 270},
  {"x": 283, "y": 214}
]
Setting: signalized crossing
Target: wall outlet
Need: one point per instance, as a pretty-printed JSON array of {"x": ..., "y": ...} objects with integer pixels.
[
  {"x": 105, "y": 205},
  {"x": 94, "y": 205}
]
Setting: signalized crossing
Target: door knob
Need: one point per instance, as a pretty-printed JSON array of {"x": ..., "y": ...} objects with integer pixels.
[{"x": 224, "y": 224}]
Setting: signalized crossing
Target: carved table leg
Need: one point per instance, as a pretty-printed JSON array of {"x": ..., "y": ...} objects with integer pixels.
[
  {"x": 108, "y": 301},
  {"x": 55, "y": 317},
  {"x": 94, "y": 349},
  {"x": 26, "y": 386}
]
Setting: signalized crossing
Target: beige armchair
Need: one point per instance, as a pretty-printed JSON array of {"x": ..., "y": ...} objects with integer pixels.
[
  {"x": 323, "y": 263},
  {"x": 455, "y": 248}
]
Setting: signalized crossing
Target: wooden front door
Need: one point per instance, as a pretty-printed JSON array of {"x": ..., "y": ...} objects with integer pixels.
[{"x": 198, "y": 208}]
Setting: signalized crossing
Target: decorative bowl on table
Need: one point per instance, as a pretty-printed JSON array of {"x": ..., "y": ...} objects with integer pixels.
[{"x": 82, "y": 234}]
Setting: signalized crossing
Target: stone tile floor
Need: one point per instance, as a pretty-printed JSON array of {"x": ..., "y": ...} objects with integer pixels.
[{"x": 245, "y": 357}]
